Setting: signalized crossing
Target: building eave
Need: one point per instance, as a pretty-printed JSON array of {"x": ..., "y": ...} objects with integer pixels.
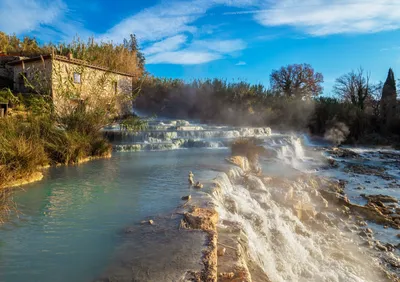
[{"x": 70, "y": 61}]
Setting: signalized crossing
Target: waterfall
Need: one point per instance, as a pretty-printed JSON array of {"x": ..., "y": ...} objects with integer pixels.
[
  {"x": 172, "y": 134},
  {"x": 290, "y": 150},
  {"x": 279, "y": 242}
]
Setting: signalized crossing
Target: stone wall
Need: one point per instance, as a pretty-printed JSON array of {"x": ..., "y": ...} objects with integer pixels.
[
  {"x": 76, "y": 83},
  {"x": 34, "y": 76},
  {"x": 72, "y": 82}
]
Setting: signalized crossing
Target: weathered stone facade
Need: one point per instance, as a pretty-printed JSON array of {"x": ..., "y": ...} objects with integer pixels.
[{"x": 71, "y": 82}]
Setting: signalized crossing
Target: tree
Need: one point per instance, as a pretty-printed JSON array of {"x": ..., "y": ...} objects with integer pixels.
[
  {"x": 388, "y": 100},
  {"x": 297, "y": 81},
  {"x": 354, "y": 87}
]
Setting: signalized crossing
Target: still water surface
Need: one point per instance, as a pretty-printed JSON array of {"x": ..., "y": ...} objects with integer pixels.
[{"x": 72, "y": 222}]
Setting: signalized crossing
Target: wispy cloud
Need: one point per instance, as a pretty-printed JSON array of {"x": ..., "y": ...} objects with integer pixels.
[
  {"x": 29, "y": 15},
  {"x": 169, "y": 44},
  {"x": 221, "y": 46},
  {"x": 390, "y": 48},
  {"x": 183, "y": 57},
  {"x": 196, "y": 52},
  {"x": 241, "y": 63},
  {"x": 163, "y": 29},
  {"x": 324, "y": 17}
]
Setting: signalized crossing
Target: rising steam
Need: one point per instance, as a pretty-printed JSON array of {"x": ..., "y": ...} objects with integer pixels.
[{"x": 337, "y": 133}]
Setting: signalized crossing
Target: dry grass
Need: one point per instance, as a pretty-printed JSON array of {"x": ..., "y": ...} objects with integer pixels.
[{"x": 26, "y": 144}]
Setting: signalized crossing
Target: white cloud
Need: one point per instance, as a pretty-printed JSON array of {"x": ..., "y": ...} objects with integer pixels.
[
  {"x": 167, "y": 19},
  {"x": 324, "y": 17},
  {"x": 28, "y": 15},
  {"x": 160, "y": 21},
  {"x": 221, "y": 46},
  {"x": 390, "y": 48},
  {"x": 170, "y": 44},
  {"x": 196, "y": 52},
  {"x": 184, "y": 57},
  {"x": 241, "y": 63}
]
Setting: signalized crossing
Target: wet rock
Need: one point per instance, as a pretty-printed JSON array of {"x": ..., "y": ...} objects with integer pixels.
[
  {"x": 191, "y": 178},
  {"x": 150, "y": 221},
  {"x": 380, "y": 198},
  {"x": 360, "y": 188},
  {"x": 361, "y": 223},
  {"x": 202, "y": 218},
  {"x": 198, "y": 185},
  {"x": 390, "y": 247},
  {"x": 395, "y": 216},
  {"x": 364, "y": 234},
  {"x": 186, "y": 198},
  {"x": 398, "y": 235},
  {"x": 226, "y": 275},
  {"x": 393, "y": 260},
  {"x": 380, "y": 247},
  {"x": 332, "y": 163},
  {"x": 221, "y": 251},
  {"x": 368, "y": 170},
  {"x": 369, "y": 231},
  {"x": 343, "y": 153}
]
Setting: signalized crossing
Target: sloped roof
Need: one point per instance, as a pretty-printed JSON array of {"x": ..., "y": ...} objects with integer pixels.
[{"x": 70, "y": 61}]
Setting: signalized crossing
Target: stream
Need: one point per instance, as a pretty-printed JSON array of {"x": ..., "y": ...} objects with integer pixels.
[{"x": 71, "y": 226}]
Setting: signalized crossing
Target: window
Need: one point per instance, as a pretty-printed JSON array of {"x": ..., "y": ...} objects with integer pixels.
[
  {"x": 77, "y": 78},
  {"x": 115, "y": 87}
]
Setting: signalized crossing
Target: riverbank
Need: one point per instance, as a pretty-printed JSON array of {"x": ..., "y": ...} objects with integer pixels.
[{"x": 32, "y": 142}]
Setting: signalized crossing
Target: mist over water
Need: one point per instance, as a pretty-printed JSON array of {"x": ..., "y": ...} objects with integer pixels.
[{"x": 291, "y": 232}]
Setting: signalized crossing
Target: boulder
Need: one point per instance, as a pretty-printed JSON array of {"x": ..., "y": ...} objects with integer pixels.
[
  {"x": 186, "y": 198},
  {"x": 202, "y": 218}
]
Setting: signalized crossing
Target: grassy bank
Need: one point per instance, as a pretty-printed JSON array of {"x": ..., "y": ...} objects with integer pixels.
[{"x": 29, "y": 142}]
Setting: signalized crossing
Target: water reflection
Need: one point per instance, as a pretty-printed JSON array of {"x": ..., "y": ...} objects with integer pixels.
[{"x": 71, "y": 222}]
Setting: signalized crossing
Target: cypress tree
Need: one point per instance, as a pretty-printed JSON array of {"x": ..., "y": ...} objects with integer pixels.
[{"x": 388, "y": 100}]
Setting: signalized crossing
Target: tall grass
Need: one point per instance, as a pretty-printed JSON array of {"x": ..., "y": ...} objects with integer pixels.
[{"x": 28, "y": 143}]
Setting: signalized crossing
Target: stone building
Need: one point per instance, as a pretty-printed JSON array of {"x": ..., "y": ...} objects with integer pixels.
[{"x": 68, "y": 81}]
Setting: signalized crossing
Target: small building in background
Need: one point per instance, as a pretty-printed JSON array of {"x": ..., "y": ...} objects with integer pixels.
[{"x": 68, "y": 81}]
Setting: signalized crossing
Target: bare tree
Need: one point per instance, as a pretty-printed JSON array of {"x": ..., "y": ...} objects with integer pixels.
[
  {"x": 355, "y": 87},
  {"x": 297, "y": 80}
]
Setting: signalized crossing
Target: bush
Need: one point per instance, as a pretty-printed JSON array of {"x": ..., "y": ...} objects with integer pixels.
[
  {"x": 21, "y": 149},
  {"x": 34, "y": 141}
]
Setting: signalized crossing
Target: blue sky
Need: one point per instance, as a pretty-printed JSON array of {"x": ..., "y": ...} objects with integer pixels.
[{"x": 231, "y": 39}]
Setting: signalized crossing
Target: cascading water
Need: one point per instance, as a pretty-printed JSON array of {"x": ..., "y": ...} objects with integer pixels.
[
  {"x": 170, "y": 135},
  {"x": 290, "y": 231},
  {"x": 284, "y": 222}
]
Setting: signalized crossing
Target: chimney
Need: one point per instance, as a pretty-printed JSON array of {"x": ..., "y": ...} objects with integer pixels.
[{"x": 70, "y": 56}]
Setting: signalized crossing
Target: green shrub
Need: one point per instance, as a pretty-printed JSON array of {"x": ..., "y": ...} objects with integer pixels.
[
  {"x": 133, "y": 123},
  {"x": 6, "y": 96}
]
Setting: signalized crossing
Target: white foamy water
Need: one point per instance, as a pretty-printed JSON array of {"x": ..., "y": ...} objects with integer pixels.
[
  {"x": 284, "y": 246},
  {"x": 282, "y": 242},
  {"x": 172, "y": 135}
]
